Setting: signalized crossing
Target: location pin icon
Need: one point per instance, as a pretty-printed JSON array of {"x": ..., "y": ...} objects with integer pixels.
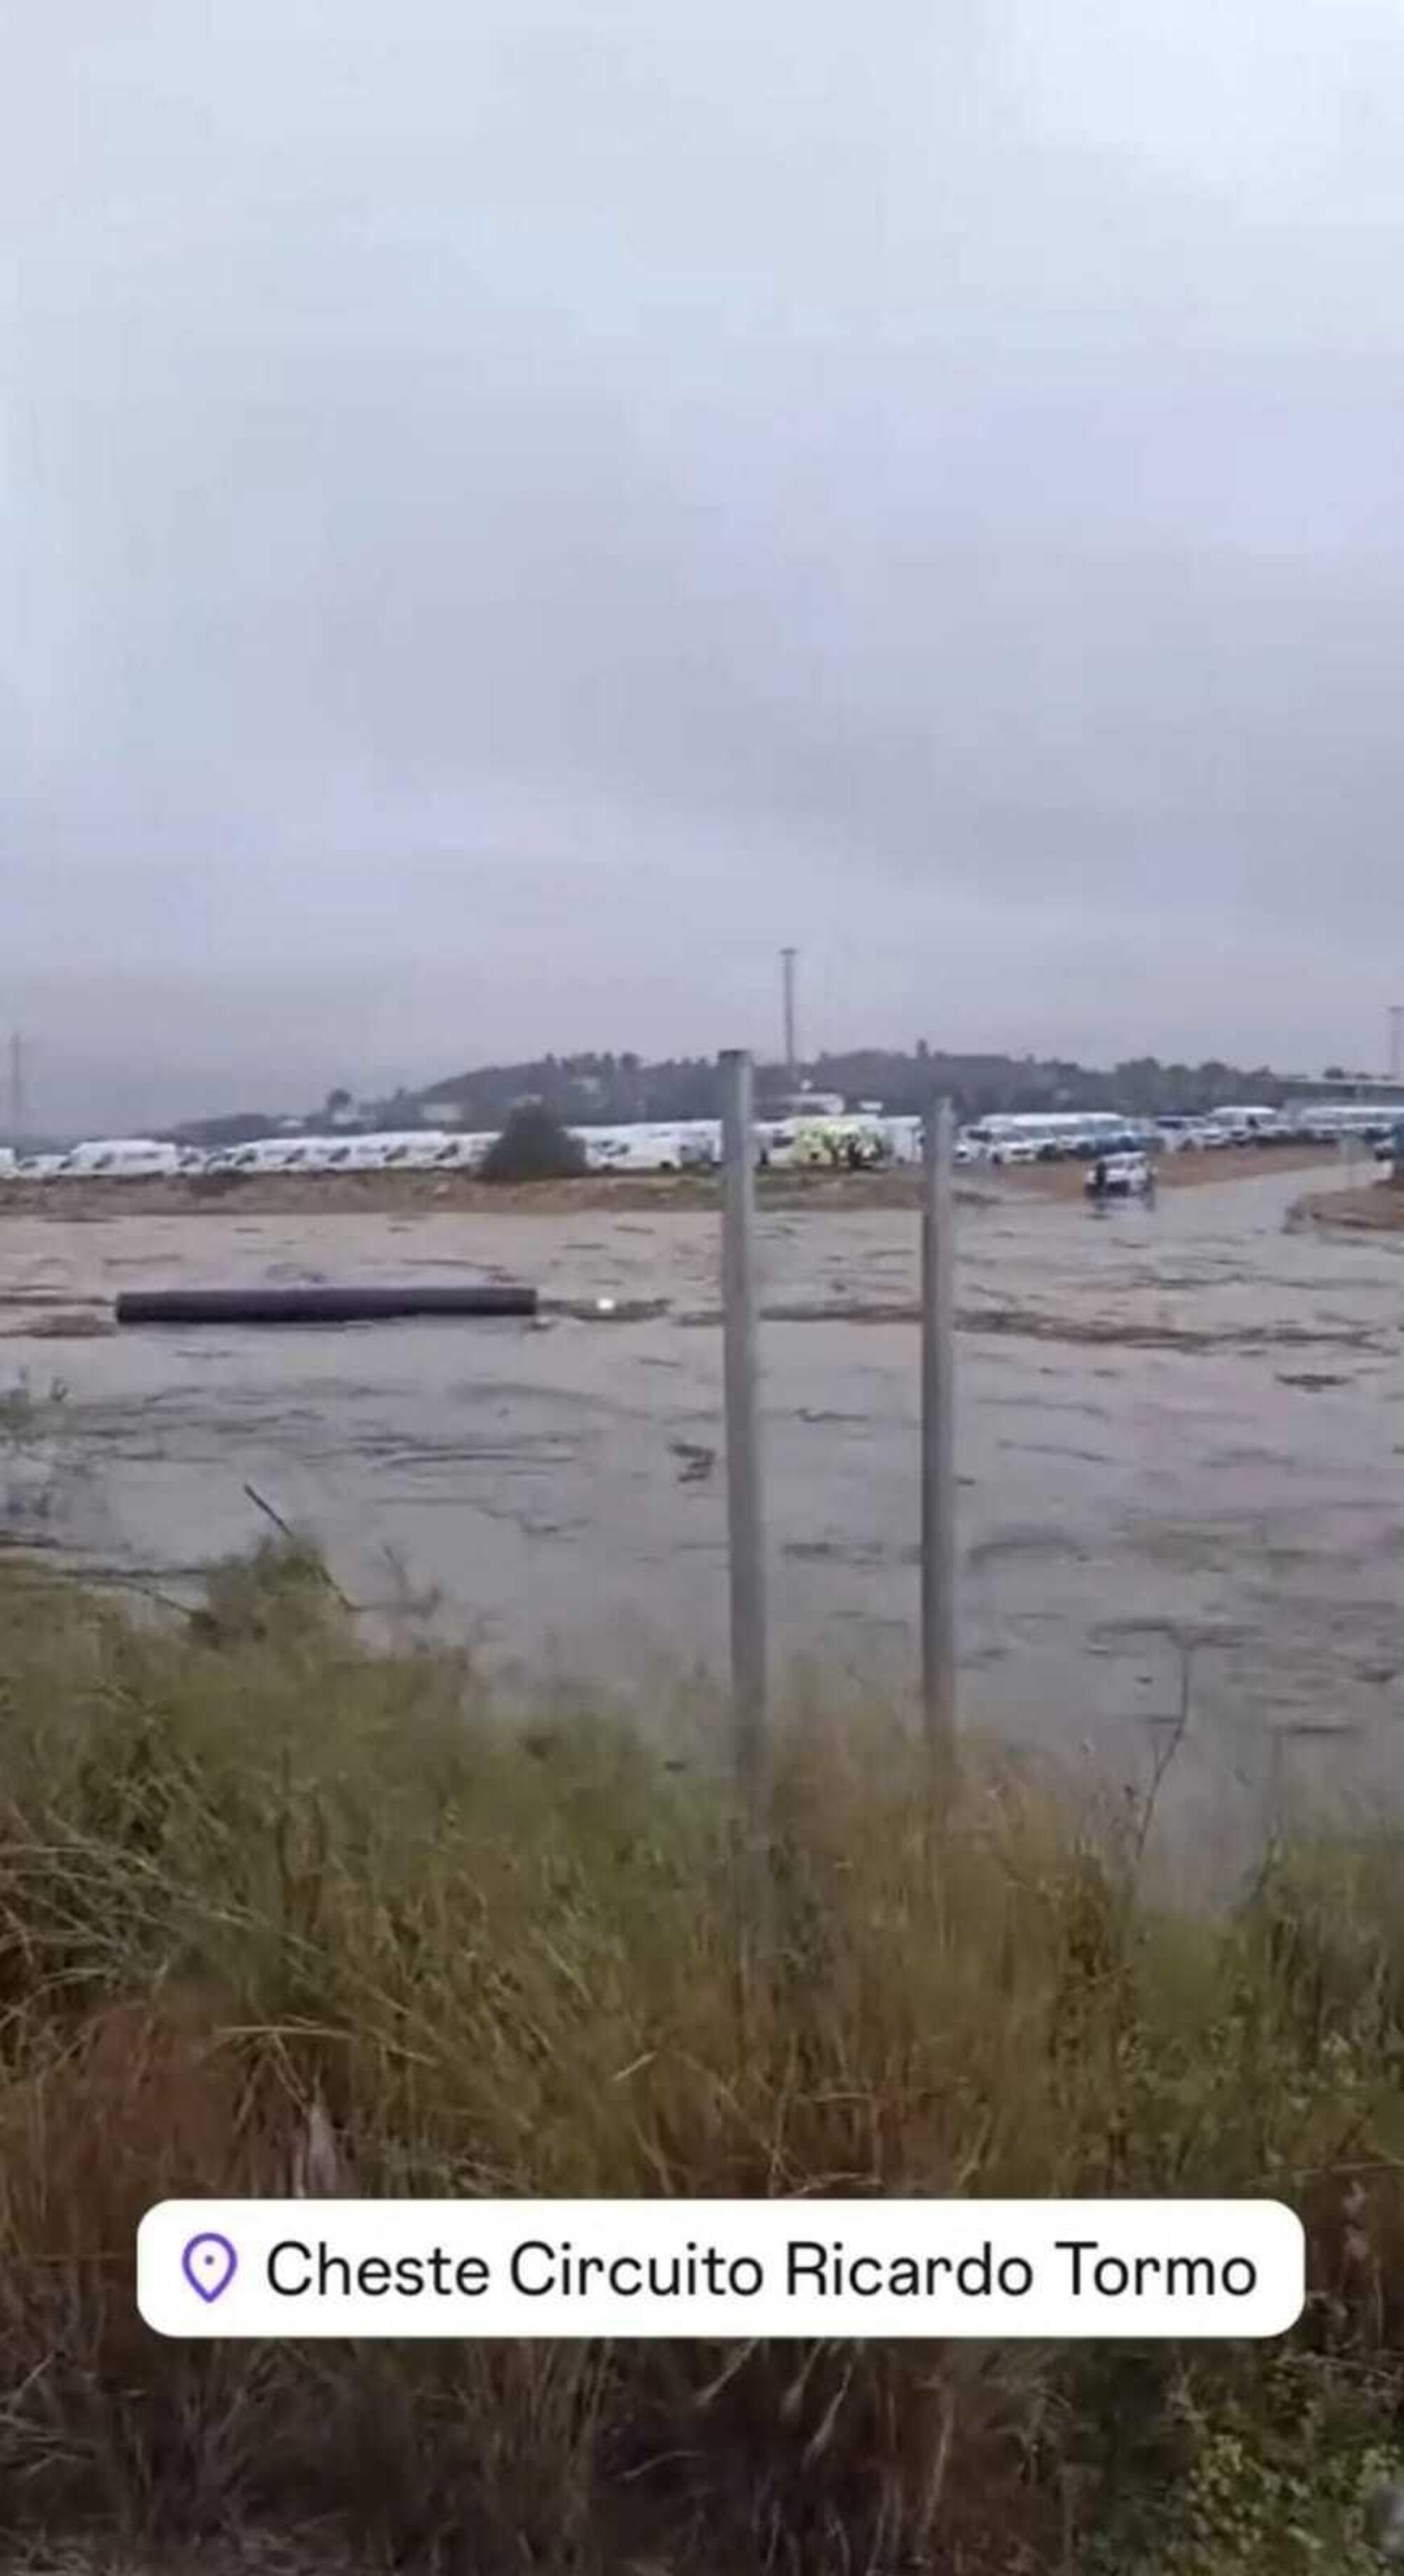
[{"x": 209, "y": 2264}]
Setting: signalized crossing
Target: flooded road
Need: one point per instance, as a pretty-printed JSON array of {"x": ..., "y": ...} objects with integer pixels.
[{"x": 1178, "y": 1423}]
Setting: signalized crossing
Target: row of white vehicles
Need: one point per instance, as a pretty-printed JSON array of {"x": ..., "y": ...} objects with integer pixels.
[
  {"x": 861, "y": 1140},
  {"x": 1086, "y": 1136},
  {"x": 681, "y": 1146}
]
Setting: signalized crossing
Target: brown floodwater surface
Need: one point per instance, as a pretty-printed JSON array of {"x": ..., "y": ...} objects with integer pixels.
[{"x": 1178, "y": 1423}]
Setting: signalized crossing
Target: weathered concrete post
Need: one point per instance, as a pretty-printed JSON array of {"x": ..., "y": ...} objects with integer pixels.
[
  {"x": 938, "y": 1477},
  {"x": 745, "y": 1514}
]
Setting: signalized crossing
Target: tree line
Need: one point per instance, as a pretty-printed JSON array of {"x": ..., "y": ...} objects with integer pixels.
[
  {"x": 615, "y": 1089},
  {"x": 610, "y": 1089}
]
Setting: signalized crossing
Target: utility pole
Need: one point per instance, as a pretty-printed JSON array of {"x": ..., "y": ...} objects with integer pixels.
[
  {"x": 787, "y": 960},
  {"x": 1396, "y": 1040}
]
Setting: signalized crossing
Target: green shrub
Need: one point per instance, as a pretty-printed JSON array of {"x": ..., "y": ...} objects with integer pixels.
[{"x": 534, "y": 1146}]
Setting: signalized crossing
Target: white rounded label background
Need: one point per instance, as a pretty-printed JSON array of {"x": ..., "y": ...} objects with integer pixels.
[{"x": 1054, "y": 2270}]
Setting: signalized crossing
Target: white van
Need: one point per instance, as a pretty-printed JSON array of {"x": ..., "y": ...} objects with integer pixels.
[
  {"x": 266, "y": 1154},
  {"x": 1245, "y": 1120},
  {"x": 635, "y": 1148},
  {"x": 415, "y": 1151},
  {"x": 121, "y": 1158},
  {"x": 465, "y": 1153},
  {"x": 700, "y": 1143},
  {"x": 903, "y": 1139}
]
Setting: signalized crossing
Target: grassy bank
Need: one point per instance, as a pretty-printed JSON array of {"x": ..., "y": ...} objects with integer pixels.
[{"x": 278, "y": 1913}]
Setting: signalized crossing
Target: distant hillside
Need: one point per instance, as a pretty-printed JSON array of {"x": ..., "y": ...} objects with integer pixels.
[{"x": 610, "y": 1088}]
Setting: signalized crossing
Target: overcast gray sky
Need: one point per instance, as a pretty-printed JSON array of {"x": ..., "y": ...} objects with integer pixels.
[{"x": 509, "y": 512}]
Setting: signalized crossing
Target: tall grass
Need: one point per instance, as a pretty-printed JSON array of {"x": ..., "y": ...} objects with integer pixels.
[{"x": 279, "y": 1913}]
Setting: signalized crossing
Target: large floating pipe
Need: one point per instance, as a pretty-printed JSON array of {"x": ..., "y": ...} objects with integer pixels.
[{"x": 315, "y": 1305}]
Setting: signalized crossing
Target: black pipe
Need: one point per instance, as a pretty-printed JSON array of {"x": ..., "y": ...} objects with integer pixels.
[{"x": 314, "y": 1305}]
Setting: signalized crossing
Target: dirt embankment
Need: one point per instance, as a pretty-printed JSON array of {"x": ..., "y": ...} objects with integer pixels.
[
  {"x": 440, "y": 1193},
  {"x": 1372, "y": 1207}
]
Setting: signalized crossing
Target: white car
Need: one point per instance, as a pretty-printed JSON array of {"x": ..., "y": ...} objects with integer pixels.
[{"x": 1122, "y": 1176}]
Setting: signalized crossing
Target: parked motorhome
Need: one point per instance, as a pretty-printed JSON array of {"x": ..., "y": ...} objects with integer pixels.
[
  {"x": 1248, "y": 1124},
  {"x": 903, "y": 1138},
  {"x": 265, "y": 1154},
  {"x": 413, "y": 1149},
  {"x": 1324, "y": 1122},
  {"x": 701, "y": 1141},
  {"x": 1254, "y": 1116},
  {"x": 416, "y": 1152},
  {"x": 468, "y": 1153},
  {"x": 460, "y": 1153},
  {"x": 775, "y": 1143},
  {"x": 643, "y": 1149},
  {"x": 121, "y": 1158},
  {"x": 310, "y": 1153},
  {"x": 388, "y": 1150},
  {"x": 1045, "y": 1135},
  {"x": 673, "y": 1146}
]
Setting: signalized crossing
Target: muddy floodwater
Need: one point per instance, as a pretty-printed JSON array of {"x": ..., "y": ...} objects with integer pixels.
[{"x": 1177, "y": 1424}]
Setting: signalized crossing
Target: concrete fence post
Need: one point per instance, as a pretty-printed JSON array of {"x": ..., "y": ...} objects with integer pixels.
[
  {"x": 938, "y": 1474},
  {"x": 745, "y": 1512}
]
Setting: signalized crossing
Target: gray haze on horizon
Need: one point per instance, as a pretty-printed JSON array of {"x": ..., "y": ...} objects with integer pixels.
[{"x": 508, "y": 515}]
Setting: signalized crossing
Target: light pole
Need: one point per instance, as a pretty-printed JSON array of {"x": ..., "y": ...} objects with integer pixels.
[
  {"x": 787, "y": 960},
  {"x": 18, "y": 1104}
]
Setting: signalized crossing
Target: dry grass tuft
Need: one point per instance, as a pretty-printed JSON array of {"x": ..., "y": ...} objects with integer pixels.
[{"x": 279, "y": 1914}]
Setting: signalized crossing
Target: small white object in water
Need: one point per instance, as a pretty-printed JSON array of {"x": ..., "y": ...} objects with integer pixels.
[
  {"x": 604, "y": 1305},
  {"x": 1386, "y": 2518}
]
